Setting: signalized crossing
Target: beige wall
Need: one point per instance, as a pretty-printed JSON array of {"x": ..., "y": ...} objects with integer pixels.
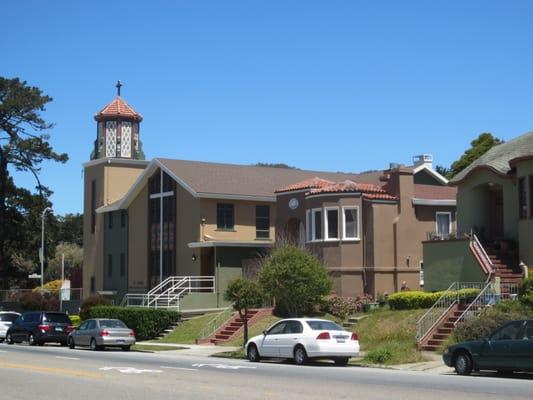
[
  {"x": 187, "y": 230},
  {"x": 118, "y": 180},
  {"x": 524, "y": 169},
  {"x": 244, "y": 220}
]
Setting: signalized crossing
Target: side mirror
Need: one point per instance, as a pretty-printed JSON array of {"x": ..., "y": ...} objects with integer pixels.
[{"x": 264, "y": 333}]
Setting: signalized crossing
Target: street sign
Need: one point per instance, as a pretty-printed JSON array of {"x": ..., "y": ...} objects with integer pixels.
[{"x": 34, "y": 276}]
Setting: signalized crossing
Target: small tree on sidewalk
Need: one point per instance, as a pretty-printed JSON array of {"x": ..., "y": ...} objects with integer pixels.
[{"x": 244, "y": 294}]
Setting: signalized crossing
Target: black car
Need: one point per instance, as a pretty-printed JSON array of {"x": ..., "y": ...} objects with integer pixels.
[
  {"x": 508, "y": 348},
  {"x": 39, "y": 327}
]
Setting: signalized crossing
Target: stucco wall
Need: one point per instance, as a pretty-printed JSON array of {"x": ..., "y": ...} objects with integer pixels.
[
  {"x": 187, "y": 231},
  {"x": 449, "y": 261},
  {"x": 473, "y": 203},
  {"x": 119, "y": 179},
  {"x": 524, "y": 169},
  {"x": 138, "y": 242},
  {"x": 244, "y": 220},
  {"x": 116, "y": 245}
]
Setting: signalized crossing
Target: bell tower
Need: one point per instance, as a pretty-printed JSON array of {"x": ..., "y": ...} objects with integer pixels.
[{"x": 118, "y": 131}]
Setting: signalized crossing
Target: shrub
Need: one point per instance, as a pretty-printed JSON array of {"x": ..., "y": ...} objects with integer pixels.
[
  {"x": 416, "y": 299},
  {"x": 526, "y": 292},
  {"x": 490, "y": 319},
  {"x": 295, "y": 279},
  {"x": 146, "y": 322},
  {"x": 379, "y": 356},
  {"x": 343, "y": 307},
  {"x": 91, "y": 301},
  {"x": 51, "y": 287},
  {"x": 35, "y": 301}
]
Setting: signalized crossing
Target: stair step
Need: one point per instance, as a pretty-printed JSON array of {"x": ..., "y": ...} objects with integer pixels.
[
  {"x": 435, "y": 342},
  {"x": 444, "y": 331},
  {"x": 430, "y": 348},
  {"x": 440, "y": 336}
]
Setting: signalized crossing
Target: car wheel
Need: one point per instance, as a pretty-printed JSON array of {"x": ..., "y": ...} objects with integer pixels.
[
  {"x": 71, "y": 343},
  {"x": 63, "y": 343},
  {"x": 300, "y": 355},
  {"x": 31, "y": 340},
  {"x": 463, "y": 364},
  {"x": 253, "y": 354},
  {"x": 126, "y": 348},
  {"x": 93, "y": 345},
  {"x": 9, "y": 339},
  {"x": 1, "y": 340},
  {"x": 342, "y": 361}
]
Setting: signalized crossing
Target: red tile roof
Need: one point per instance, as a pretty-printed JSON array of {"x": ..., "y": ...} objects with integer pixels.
[
  {"x": 369, "y": 190},
  {"x": 118, "y": 108},
  {"x": 431, "y": 192},
  {"x": 312, "y": 183}
]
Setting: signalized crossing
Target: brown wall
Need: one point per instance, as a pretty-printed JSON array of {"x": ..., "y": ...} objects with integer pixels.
[{"x": 187, "y": 230}]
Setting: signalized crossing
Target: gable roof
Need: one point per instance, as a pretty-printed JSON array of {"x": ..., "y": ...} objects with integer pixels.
[
  {"x": 118, "y": 108},
  {"x": 497, "y": 159},
  {"x": 229, "y": 181}
]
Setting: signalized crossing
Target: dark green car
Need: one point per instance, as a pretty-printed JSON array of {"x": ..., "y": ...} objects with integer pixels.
[{"x": 508, "y": 348}]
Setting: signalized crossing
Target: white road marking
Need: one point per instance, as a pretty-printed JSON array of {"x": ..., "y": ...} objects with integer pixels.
[
  {"x": 3, "y": 351},
  {"x": 67, "y": 358},
  {"x": 130, "y": 370},
  {"x": 181, "y": 369},
  {"x": 223, "y": 366}
]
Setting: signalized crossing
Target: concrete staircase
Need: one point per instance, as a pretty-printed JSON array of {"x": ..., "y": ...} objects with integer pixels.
[
  {"x": 235, "y": 326},
  {"x": 506, "y": 264},
  {"x": 434, "y": 339}
]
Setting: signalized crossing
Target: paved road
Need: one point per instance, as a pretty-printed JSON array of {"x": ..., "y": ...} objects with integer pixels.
[{"x": 51, "y": 372}]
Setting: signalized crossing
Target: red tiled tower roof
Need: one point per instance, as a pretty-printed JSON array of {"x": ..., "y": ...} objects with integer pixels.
[
  {"x": 118, "y": 108},
  {"x": 368, "y": 190}
]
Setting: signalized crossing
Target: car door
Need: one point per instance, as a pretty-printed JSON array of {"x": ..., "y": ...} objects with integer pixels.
[
  {"x": 522, "y": 348},
  {"x": 80, "y": 335},
  {"x": 91, "y": 331},
  {"x": 287, "y": 340},
  {"x": 17, "y": 327},
  {"x": 269, "y": 346},
  {"x": 497, "y": 351}
]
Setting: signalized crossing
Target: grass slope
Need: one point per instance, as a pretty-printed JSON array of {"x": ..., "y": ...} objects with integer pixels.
[
  {"x": 187, "y": 332},
  {"x": 388, "y": 337}
]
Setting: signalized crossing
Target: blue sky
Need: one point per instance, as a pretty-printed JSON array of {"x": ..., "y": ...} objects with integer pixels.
[{"x": 326, "y": 85}]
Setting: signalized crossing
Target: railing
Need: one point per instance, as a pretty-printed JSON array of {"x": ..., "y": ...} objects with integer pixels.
[
  {"x": 219, "y": 320},
  {"x": 430, "y": 236},
  {"x": 449, "y": 298},
  {"x": 486, "y": 262},
  {"x": 492, "y": 293},
  {"x": 172, "y": 290}
]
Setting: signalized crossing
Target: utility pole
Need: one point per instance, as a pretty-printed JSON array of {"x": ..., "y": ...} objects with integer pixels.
[
  {"x": 62, "y": 281},
  {"x": 41, "y": 255}
]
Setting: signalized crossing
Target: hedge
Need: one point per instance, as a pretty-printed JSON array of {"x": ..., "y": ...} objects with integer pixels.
[
  {"x": 416, "y": 299},
  {"x": 146, "y": 322}
]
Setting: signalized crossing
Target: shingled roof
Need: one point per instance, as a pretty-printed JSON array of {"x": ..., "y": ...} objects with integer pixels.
[
  {"x": 247, "y": 180},
  {"x": 368, "y": 190},
  {"x": 497, "y": 159}
]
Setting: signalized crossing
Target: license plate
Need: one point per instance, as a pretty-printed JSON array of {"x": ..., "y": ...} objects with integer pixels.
[
  {"x": 341, "y": 341},
  {"x": 59, "y": 329},
  {"x": 120, "y": 341}
]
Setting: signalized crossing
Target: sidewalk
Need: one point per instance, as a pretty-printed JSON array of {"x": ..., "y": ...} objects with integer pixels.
[
  {"x": 204, "y": 350},
  {"x": 434, "y": 365}
]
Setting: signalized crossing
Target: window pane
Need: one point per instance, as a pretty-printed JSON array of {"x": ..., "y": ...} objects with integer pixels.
[
  {"x": 317, "y": 221},
  {"x": 350, "y": 223},
  {"x": 443, "y": 224},
  {"x": 333, "y": 224},
  {"x": 308, "y": 225},
  {"x": 225, "y": 216},
  {"x": 522, "y": 205}
]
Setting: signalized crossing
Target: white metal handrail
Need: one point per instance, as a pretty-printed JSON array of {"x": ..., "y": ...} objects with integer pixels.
[
  {"x": 221, "y": 319},
  {"x": 492, "y": 293},
  {"x": 485, "y": 257},
  {"x": 448, "y": 299}
]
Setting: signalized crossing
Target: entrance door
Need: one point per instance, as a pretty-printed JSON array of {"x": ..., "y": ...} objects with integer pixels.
[{"x": 496, "y": 215}]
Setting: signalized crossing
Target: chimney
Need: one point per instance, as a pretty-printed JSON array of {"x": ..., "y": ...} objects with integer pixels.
[{"x": 423, "y": 159}]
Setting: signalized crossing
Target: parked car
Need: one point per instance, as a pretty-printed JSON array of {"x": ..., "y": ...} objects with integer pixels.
[
  {"x": 508, "y": 348},
  {"x": 39, "y": 327},
  {"x": 99, "y": 333},
  {"x": 6, "y": 319},
  {"x": 303, "y": 339}
]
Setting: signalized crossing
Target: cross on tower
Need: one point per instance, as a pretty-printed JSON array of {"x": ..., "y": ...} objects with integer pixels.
[{"x": 118, "y": 86}]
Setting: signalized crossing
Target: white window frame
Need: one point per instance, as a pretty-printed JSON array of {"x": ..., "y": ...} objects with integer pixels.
[
  {"x": 313, "y": 225},
  {"x": 357, "y": 226},
  {"x": 326, "y": 230},
  {"x": 437, "y": 221},
  {"x": 308, "y": 233}
]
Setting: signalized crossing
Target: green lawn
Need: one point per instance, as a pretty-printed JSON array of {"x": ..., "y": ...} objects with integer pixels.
[
  {"x": 187, "y": 332},
  {"x": 388, "y": 337},
  {"x": 148, "y": 348}
]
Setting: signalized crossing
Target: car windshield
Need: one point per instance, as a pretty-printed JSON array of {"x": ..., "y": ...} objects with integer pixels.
[
  {"x": 112, "y": 323},
  {"x": 324, "y": 326},
  {"x": 56, "y": 317},
  {"x": 8, "y": 317}
]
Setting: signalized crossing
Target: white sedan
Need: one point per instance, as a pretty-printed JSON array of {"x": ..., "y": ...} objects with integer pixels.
[{"x": 302, "y": 339}]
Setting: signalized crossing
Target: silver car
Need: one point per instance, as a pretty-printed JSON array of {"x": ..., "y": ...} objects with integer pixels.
[
  {"x": 102, "y": 332},
  {"x": 6, "y": 319}
]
